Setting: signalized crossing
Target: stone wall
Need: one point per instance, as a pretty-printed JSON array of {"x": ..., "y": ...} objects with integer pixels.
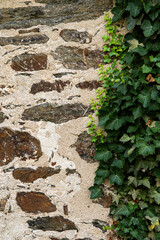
[{"x": 50, "y": 51}]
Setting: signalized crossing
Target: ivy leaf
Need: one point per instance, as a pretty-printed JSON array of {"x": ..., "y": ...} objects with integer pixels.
[
  {"x": 148, "y": 28},
  {"x": 156, "y": 172},
  {"x": 156, "y": 196},
  {"x": 148, "y": 5},
  {"x": 141, "y": 50},
  {"x": 158, "y": 64},
  {"x": 145, "y": 149},
  {"x": 116, "y": 178},
  {"x": 102, "y": 172},
  {"x": 146, "y": 69},
  {"x": 132, "y": 180},
  {"x": 122, "y": 210},
  {"x": 125, "y": 138},
  {"x": 142, "y": 205},
  {"x": 118, "y": 163},
  {"x": 131, "y": 23},
  {"x": 103, "y": 155},
  {"x": 137, "y": 112},
  {"x": 145, "y": 182},
  {"x": 134, "y": 8},
  {"x": 128, "y": 58},
  {"x": 118, "y": 12},
  {"x": 96, "y": 192},
  {"x": 98, "y": 180},
  {"x": 154, "y": 14},
  {"x": 145, "y": 98},
  {"x": 131, "y": 150},
  {"x": 115, "y": 124}
]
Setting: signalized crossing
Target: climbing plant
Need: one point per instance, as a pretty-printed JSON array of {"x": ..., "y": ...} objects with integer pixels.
[{"x": 128, "y": 109}]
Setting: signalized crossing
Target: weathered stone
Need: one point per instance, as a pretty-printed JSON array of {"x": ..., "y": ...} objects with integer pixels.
[
  {"x": 75, "y": 36},
  {"x": 29, "y": 175},
  {"x": 34, "y": 202},
  {"x": 56, "y": 114},
  {"x": 57, "y": 223},
  {"x": 17, "y": 144},
  {"x": 105, "y": 200},
  {"x": 2, "y": 204},
  {"x": 78, "y": 58},
  {"x": 89, "y": 85},
  {"x": 2, "y": 117},
  {"x": 59, "y": 75},
  {"x": 84, "y": 147},
  {"x": 22, "y": 31},
  {"x": 83, "y": 239},
  {"x": 55, "y": 12},
  {"x": 23, "y": 40},
  {"x": 29, "y": 62},
  {"x": 43, "y": 86},
  {"x": 99, "y": 224},
  {"x": 59, "y": 239}
]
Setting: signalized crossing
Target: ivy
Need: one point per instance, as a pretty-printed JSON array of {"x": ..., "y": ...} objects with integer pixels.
[{"x": 128, "y": 133}]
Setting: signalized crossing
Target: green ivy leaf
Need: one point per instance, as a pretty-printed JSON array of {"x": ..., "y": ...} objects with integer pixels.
[
  {"x": 156, "y": 172},
  {"x": 137, "y": 112},
  {"x": 145, "y": 149},
  {"x": 146, "y": 69},
  {"x": 115, "y": 124},
  {"x": 148, "y": 28},
  {"x": 116, "y": 178},
  {"x": 104, "y": 173},
  {"x": 96, "y": 192},
  {"x": 145, "y": 98},
  {"x": 141, "y": 50},
  {"x": 158, "y": 64},
  {"x": 131, "y": 23},
  {"x": 134, "y": 8},
  {"x": 118, "y": 163},
  {"x": 125, "y": 138},
  {"x": 98, "y": 180},
  {"x": 103, "y": 155},
  {"x": 122, "y": 211},
  {"x": 118, "y": 12},
  {"x": 148, "y": 5},
  {"x": 154, "y": 14},
  {"x": 142, "y": 205},
  {"x": 156, "y": 196}
]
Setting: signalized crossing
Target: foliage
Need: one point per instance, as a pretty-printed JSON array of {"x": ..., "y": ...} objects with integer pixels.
[{"x": 129, "y": 149}]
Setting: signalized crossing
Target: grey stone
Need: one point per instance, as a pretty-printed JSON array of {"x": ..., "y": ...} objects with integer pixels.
[
  {"x": 56, "y": 114},
  {"x": 78, "y": 58},
  {"x": 75, "y": 36},
  {"x": 55, "y": 12}
]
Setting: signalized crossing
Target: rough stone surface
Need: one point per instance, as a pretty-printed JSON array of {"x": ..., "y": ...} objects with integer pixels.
[
  {"x": 29, "y": 62},
  {"x": 84, "y": 147},
  {"x": 89, "y": 85},
  {"x": 75, "y": 36},
  {"x": 2, "y": 117},
  {"x": 59, "y": 239},
  {"x": 52, "y": 14},
  {"x": 43, "y": 86},
  {"x": 23, "y": 40},
  {"x": 59, "y": 75},
  {"x": 17, "y": 144},
  {"x": 2, "y": 204},
  {"x": 55, "y": 114},
  {"x": 57, "y": 223},
  {"x": 29, "y": 175},
  {"x": 34, "y": 202},
  {"x": 78, "y": 58},
  {"x": 23, "y": 31}
]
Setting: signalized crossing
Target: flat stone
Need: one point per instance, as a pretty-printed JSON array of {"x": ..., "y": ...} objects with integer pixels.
[
  {"x": 59, "y": 75},
  {"x": 23, "y": 40},
  {"x": 29, "y": 62},
  {"x": 29, "y": 175},
  {"x": 89, "y": 85},
  {"x": 18, "y": 144},
  {"x": 55, "y": 12},
  {"x": 2, "y": 117},
  {"x": 72, "y": 35},
  {"x": 56, "y": 114},
  {"x": 22, "y": 31},
  {"x": 34, "y": 202},
  {"x": 83, "y": 239},
  {"x": 77, "y": 58},
  {"x": 2, "y": 204},
  {"x": 44, "y": 86},
  {"x": 59, "y": 238},
  {"x": 84, "y": 147},
  {"x": 57, "y": 223},
  {"x": 99, "y": 224}
]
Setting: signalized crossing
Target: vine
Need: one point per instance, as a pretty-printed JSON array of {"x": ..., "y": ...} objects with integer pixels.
[{"x": 128, "y": 148}]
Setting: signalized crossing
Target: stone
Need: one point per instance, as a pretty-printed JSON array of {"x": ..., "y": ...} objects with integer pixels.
[
  {"x": 83, "y": 239},
  {"x": 34, "y": 202},
  {"x": 78, "y": 58},
  {"x": 99, "y": 224},
  {"x": 59, "y": 75},
  {"x": 57, "y": 223},
  {"x": 2, "y": 204},
  {"x": 29, "y": 175},
  {"x": 44, "y": 86},
  {"x": 59, "y": 239},
  {"x": 23, "y": 31},
  {"x": 29, "y": 62},
  {"x": 72, "y": 35},
  {"x": 105, "y": 200},
  {"x": 2, "y": 117},
  {"x": 23, "y": 40},
  {"x": 84, "y": 147},
  {"x": 55, "y": 12},
  {"x": 89, "y": 85},
  {"x": 18, "y": 144},
  {"x": 56, "y": 114}
]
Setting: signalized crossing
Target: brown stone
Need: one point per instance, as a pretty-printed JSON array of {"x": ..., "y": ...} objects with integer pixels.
[
  {"x": 29, "y": 175},
  {"x": 89, "y": 85},
  {"x": 34, "y": 202},
  {"x": 29, "y": 30},
  {"x": 2, "y": 204},
  {"x": 2, "y": 117},
  {"x": 56, "y": 114},
  {"x": 17, "y": 144},
  {"x": 77, "y": 58},
  {"x": 72, "y": 35},
  {"x": 29, "y": 62},
  {"x": 105, "y": 201},
  {"x": 57, "y": 223},
  {"x": 84, "y": 147},
  {"x": 23, "y": 40},
  {"x": 83, "y": 239},
  {"x": 59, "y": 75},
  {"x": 44, "y": 86},
  {"x": 55, "y": 12},
  {"x": 59, "y": 239},
  {"x": 99, "y": 224}
]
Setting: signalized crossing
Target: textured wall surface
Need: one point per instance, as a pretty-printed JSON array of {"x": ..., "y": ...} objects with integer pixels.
[{"x": 50, "y": 51}]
